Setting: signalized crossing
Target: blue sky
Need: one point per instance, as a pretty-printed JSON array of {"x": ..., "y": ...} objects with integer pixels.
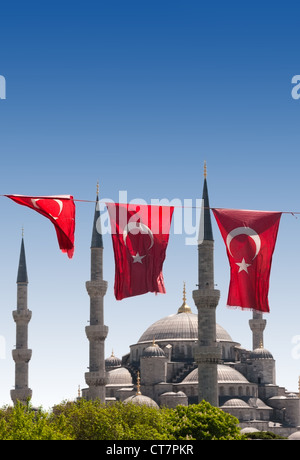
[{"x": 137, "y": 95}]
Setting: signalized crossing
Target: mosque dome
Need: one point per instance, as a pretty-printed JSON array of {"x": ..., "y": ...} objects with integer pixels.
[
  {"x": 112, "y": 361},
  {"x": 226, "y": 374},
  {"x": 179, "y": 326},
  {"x": 261, "y": 353},
  {"x": 153, "y": 351},
  {"x": 235, "y": 403},
  {"x": 249, "y": 429},
  {"x": 295, "y": 436},
  {"x": 141, "y": 400},
  {"x": 119, "y": 376}
]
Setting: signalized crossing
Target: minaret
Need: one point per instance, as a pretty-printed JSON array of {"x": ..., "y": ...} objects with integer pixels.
[
  {"x": 257, "y": 326},
  {"x": 206, "y": 298},
  {"x": 96, "y": 332},
  {"x": 21, "y": 354}
]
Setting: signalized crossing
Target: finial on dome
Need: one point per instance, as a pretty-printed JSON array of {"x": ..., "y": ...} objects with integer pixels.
[
  {"x": 138, "y": 386},
  {"x": 97, "y": 188},
  {"x": 184, "y": 307},
  {"x": 205, "y": 170}
]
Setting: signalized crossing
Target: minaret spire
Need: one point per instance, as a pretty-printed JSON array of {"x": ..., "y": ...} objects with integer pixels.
[
  {"x": 21, "y": 354},
  {"x": 205, "y": 228},
  {"x": 206, "y": 298},
  {"x": 97, "y": 241},
  {"x": 96, "y": 332}
]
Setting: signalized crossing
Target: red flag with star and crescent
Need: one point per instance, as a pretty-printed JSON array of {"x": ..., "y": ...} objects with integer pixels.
[
  {"x": 250, "y": 238},
  {"x": 60, "y": 210},
  {"x": 140, "y": 235}
]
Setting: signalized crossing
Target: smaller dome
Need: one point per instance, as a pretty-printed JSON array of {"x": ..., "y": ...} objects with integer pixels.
[
  {"x": 261, "y": 353},
  {"x": 295, "y": 436},
  {"x": 180, "y": 393},
  {"x": 141, "y": 400},
  {"x": 249, "y": 429},
  {"x": 119, "y": 376},
  {"x": 173, "y": 393},
  {"x": 112, "y": 361},
  {"x": 227, "y": 374},
  {"x": 153, "y": 351},
  {"x": 236, "y": 403}
]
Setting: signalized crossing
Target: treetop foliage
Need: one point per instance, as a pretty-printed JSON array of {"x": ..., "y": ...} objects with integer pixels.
[{"x": 92, "y": 420}]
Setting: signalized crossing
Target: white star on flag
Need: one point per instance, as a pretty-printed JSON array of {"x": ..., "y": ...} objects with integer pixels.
[
  {"x": 137, "y": 258},
  {"x": 243, "y": 266}
]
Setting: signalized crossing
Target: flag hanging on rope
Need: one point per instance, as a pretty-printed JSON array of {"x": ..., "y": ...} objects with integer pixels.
[
  {"x": 250, "y": 238},
  {"x": 60, "y": 210},
  {"x": 140, "y": 235}
]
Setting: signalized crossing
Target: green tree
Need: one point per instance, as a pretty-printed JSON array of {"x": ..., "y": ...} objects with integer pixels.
[
  {"x": 92, "y": 420},
  {"x": 202, "y": 422},
  {"x": 22, "y": 422}
]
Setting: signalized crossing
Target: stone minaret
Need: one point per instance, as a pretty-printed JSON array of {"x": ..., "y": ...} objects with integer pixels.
[
  {"x": 21, "y": 354},
  {"x": 96, "y": 332},
  {"x": 257, "y": 326},
  {"x": 206, "y": 298}
]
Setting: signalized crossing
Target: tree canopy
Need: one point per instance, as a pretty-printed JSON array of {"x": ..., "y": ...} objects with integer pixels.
[{"x": 92, "y": 420}]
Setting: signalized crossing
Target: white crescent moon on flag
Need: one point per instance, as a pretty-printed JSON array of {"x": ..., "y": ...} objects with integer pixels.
[
  {"x": 59, "y": 202},
  {"x": 244, "y": 231},
  {"x": 142, "y": 228},
  {"x": 34, "y": 202}
]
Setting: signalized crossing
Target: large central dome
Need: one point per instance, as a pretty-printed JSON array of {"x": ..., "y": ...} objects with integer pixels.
[{"x": 179, "y": 326}]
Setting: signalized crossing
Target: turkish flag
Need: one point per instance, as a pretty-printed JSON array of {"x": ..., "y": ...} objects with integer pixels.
[
  {"x": 60, "y": 210},
  {"x": 250, "y": 238},
  {"x": 140, "y": 235}
]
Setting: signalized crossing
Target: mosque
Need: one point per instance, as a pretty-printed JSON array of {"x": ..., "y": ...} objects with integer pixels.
[
  {"x": 163, "y": 357},
  {"x": 180, "y": 359}
]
